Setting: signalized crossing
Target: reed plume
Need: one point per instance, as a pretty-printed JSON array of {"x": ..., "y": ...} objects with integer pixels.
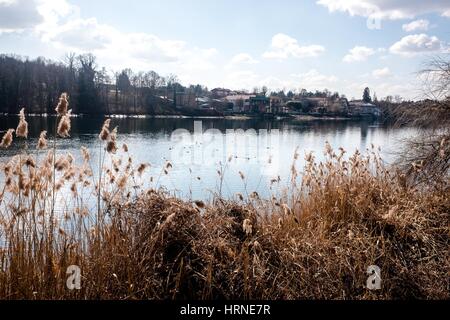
[
  {"x": 111, "y": 145},
  {"x": 314, "y": 240},
  {"x": 22, "y": 127},
  {"x": 63, "y": 105},
  {"x": 104, "y": 133},
  {"x": 42, "y": 142},
  {"x": 7, "y": 139},
  {"x": 64, "y": 125}
]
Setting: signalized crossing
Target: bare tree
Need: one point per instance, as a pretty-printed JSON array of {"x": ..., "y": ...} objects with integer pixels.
[
  {"x": 436, "y": 77},
  {"x": 426, "y": 158}
]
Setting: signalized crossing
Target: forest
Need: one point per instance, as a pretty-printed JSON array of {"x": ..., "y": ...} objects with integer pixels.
[{"x": 36, "y": 85}]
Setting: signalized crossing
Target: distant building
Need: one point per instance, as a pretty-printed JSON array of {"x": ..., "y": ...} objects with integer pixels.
[
  {"x": 219, "y": 105},
  {"x": 203, "y": 102},
  {"x": 338, "y": 106},
  {"x": 240, "y": 102},
  {"x": 259, "y": 104},
  {"x": 310, "y": 104},
  {"x": 186, "y": 99},
  {"x": 363, "y": 109},
  {"x": 277, "y": 105},
  {"x": 217, "y": 93}
]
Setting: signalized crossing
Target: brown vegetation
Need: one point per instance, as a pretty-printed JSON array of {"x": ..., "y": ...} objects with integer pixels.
[
  {"x": 426, "y": 158},
  {"x": 314, "y": 243}
]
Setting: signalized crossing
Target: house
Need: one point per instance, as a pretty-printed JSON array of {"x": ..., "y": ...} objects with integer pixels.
[
  {"x": 217, "y": 93},
  {"x": 277, "y": 104},
  {"x": 219, "y": 105},
  {"x": 203, "y": 102},
  {"x": 259, "y": 104},
  {"x": 338, "y": 106},
  {"x": 371, "y": 110},
  {"x": 240, "y": 102},
  {"x": 186, "y": 99},
  {"x": 316, "y": 105},
  {"x": 363, "y": 109}
]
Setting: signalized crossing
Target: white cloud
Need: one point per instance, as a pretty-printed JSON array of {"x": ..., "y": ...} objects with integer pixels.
[
  {"x": 407, "y": 90},
  {"x": 314, "y": 80},
  {"x": 55, "y": 13},
  {"x": 243, "y": 79},
  {"x": 243, "y": 58},
  {"x": 148, "y": 47},
  {"x": 18, "y": 15},
  {"x": 284, "y": 46},
  {"x": 416, "y": 44},
  {"x": 60, "y": 25},
  {"x": 80, "y": 35},
  {"x": 358, "y": 53},
  {"x": 311, "y": 80},
  {"x": 381, "y": 73},
  {"x": 384, "y": 9},
  {"x": 66, "y": 30},
  {"x": 33, "y": 15},
  {"x": 276, "y": 84},
  {"x": 87, "y": 35},
  {"x": 416, "y": 25},
  {"x": 195, "y": 60}
]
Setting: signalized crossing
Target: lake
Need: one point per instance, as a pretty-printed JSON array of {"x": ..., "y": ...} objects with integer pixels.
[{"x": 198, "y": 148}]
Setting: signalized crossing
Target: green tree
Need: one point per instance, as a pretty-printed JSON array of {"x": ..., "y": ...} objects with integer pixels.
[
  {"x": 264, "y": 90},
  {"x": 366, "y": 96},
  {"x": 88, "y": 97},
  {"x": 123, "y": 80}
]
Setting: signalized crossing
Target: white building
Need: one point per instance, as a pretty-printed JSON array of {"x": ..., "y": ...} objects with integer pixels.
[
  {"x": 363, "y": 109},
  {"x": 241, "y": 102}
]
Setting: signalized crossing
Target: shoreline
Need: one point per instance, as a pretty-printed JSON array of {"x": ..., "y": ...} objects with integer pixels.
[
  {"x": 325, "y": 118},
  {"x": 304, "y": 117}
]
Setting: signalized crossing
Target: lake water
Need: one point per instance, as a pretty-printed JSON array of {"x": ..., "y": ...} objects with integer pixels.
[{"x": 198, "y": 148}]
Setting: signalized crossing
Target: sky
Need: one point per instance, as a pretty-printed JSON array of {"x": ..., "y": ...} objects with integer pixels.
[{"x": 340, "y": 45}]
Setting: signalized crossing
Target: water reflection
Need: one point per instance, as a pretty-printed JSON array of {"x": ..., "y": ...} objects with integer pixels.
[{"x": 262, "y": 154}]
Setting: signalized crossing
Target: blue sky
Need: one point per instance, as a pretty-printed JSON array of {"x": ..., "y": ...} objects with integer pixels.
[{"x": 341, "y": 45}]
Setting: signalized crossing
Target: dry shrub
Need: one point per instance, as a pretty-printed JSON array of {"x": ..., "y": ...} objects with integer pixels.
[
  {"x": 350, "y": 216},
  {"x": 314, "y": 243},
  {"x": 426, "y": 158}
]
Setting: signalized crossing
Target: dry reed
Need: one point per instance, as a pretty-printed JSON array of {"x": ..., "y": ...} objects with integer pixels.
[{"x": 314, "y": 243}]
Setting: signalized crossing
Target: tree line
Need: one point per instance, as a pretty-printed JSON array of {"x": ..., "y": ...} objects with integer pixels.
[{"x": 36, "y": 85}]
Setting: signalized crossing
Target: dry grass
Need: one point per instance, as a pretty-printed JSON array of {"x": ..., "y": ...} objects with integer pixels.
[{"x": 314, "y": 243}]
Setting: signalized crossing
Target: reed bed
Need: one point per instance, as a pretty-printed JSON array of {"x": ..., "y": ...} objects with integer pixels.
[{"x": 314, "y": 242}]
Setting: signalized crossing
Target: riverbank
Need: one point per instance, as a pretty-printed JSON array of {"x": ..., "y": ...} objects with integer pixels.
[
  {"x": 316, "y": 242},
  {"x": 349, "y": 228},
  {"x": 238, "y": 116},
  {"x": 324, "y": 118},
  {"x": 143, "y": 116}
]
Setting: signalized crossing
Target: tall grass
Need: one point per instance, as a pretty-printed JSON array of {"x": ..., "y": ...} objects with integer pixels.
[{"x": 314, "y": 242}]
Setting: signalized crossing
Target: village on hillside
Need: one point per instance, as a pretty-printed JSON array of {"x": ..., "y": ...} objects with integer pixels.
[
  {"x": 318, "y": 104},
  {"x": 93, "y": 91}
]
